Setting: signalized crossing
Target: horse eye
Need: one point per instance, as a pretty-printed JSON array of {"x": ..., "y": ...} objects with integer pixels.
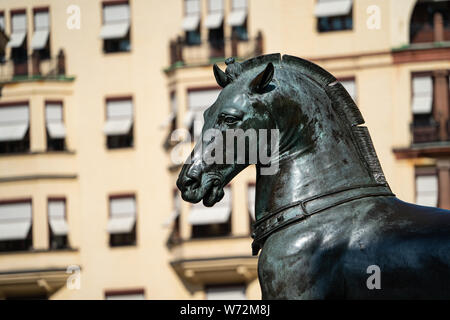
[{"x": 230, "y": 119}]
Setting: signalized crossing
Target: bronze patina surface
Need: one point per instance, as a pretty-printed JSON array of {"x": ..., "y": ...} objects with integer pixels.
[{"x": 327, "y": 214}]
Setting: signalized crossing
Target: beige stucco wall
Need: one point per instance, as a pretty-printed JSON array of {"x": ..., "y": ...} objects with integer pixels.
[{"x": 288, "y": 26}]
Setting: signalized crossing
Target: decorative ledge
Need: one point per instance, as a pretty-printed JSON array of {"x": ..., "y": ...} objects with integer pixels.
[
  {"x": 436, "y": 51},
  {"x": 34, "y": 282},
  {"x": 39, "y": 177},
  {"x": 425, "y": 150},
  {"x": 217, "y": 270}
]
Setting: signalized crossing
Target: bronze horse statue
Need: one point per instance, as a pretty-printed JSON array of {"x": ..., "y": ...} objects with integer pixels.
[{"x": 327, "y": 214}]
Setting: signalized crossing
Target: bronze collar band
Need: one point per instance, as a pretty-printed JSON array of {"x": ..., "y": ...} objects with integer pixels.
[{"x": 281, "y": 217}]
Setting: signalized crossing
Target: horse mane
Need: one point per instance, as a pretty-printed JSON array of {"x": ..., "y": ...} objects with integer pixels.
[{"x": 342, "y": 103}]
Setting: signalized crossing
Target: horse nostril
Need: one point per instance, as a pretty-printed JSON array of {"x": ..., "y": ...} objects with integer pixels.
[{"x": 191, "y": 182}]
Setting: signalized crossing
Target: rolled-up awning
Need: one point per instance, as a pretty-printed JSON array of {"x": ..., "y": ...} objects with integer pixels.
[
  {"x": 16, "y": 39},
  {"x": 350, "y": 86},
  {"x": 176, "y": 210},
  {"x": 54, "y": 120},
  {"x": 200, "y": 216},
  {"x": 14, "y": 122},
  {"x": 56, "y": 130},
  {"x": 14, "y": 132},
  {"x": 56, "y": 216},
  {"x": 191, "y": 22},
  {"x": 332, "y": 8},
  {"x": 251, "y": 201},
  {"x": 19, "y": 30},
  {"x": 15, "y": 221},
  {"x": 119, "y": 224},
  {"x": 42, "y": 27},
  {"x": 237, "y": 17},
  {"x": 188, "y": 118},
  {"x": 40, "y": 39},
  {"x": 202, "y": 98},
  {"x": 214, "y": 20},
  {"x": 173, "y": 216},
  {"x": 123, "y": 215},
  {"x": 219, "y": 213},
  {"x": 115, "y": 127},
  {"x": 116, "y": 21},
  {"x": 422, "y": 100},
  {"x": 119, "y": 117},
  {"x": 427, "y": 190},
  {"x": 168, "y": 121},
  {"x": 114, "y": 30}
]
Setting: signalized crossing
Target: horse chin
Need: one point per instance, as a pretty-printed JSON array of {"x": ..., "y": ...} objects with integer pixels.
[{"x": 213, "y": 195}]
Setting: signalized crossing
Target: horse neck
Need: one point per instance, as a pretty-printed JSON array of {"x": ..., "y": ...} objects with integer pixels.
[{"x": 310, "y": 171}]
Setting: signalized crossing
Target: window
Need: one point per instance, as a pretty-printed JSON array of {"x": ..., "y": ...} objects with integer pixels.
[
  {"x": 198, "y": 102},
  {"x": 2, "y": 30},
  {"x": 172, "y": 118},
  {"x": 57, "y": 223},
  {"x": 171, "y": 121},
  {"x": 173, "y": 111},
  {"x": 251, "y": 201},
  {"x": 14, "y": 128},
  {"x": 174, "y": 219},
  {"x": 15, "y": 225},
  {"x": 427, "y": 189},
  {"x": 119, "y": 123},
  {"x": 422, "y": 99},
  {"x": 115, "y": 31},
  {"x": 56, "y": 131},
  {"x": 2, "y": 21},
  {"x": 122, "y": 221},
  {"x": 226, "y": 292},
  {"x": 191, "y": 22},
  {"x": 125, "y": 295},
  {"x": 18, "y": 42},
  {"x": 424, "y": 25},
  {"x": 214, "y": 23},
  {"x": 214, "y": 221},
  {"x": 41, "y": 37},
  {"x": 350, "y": 86},
  {"x": 334, "y": 15},
  {"x": 238, "y": 19}
]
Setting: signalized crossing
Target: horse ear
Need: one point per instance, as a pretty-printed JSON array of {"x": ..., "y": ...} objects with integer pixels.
[
  {"x": 221, "y": 77},
  {"x": 263, "y": 79}
]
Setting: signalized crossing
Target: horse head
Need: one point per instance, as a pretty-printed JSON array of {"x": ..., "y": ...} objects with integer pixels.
[
  {"x": 240, "y": 111},
  {"x": 309, "y": 125}
]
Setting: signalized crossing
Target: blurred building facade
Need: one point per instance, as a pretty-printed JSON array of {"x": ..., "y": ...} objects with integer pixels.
[{"x": 93, "y": 90}]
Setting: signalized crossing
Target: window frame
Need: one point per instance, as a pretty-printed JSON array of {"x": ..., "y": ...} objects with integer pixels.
[
  {"x": 424, "y": 171},
  {"x": 48, "y": 138},
  {"x": 215, "y": 230},
  {"x": 224, "y": 286},
  {"x": 124, "y": 292},
  {"x": 45, "y": 53},
  {"x": 27, "y": 243},
  {"x": 26, "y": 141},
  {"x": 116, "y": 41},
  {"x": 333, "y": 18},
  {"x": 430, "y": 116},
  {"x": 131, "y": 237},
  {"x": 19, "y": 55},
  {"x": 122, "y": 139},
  {"x": 65, "y": 238}
]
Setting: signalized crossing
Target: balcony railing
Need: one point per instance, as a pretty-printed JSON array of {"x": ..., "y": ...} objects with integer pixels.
[
  {"x": 425, "y": 133},
  {"x": 33, "y": 67},
  {"x": 206, "y": 51}
]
